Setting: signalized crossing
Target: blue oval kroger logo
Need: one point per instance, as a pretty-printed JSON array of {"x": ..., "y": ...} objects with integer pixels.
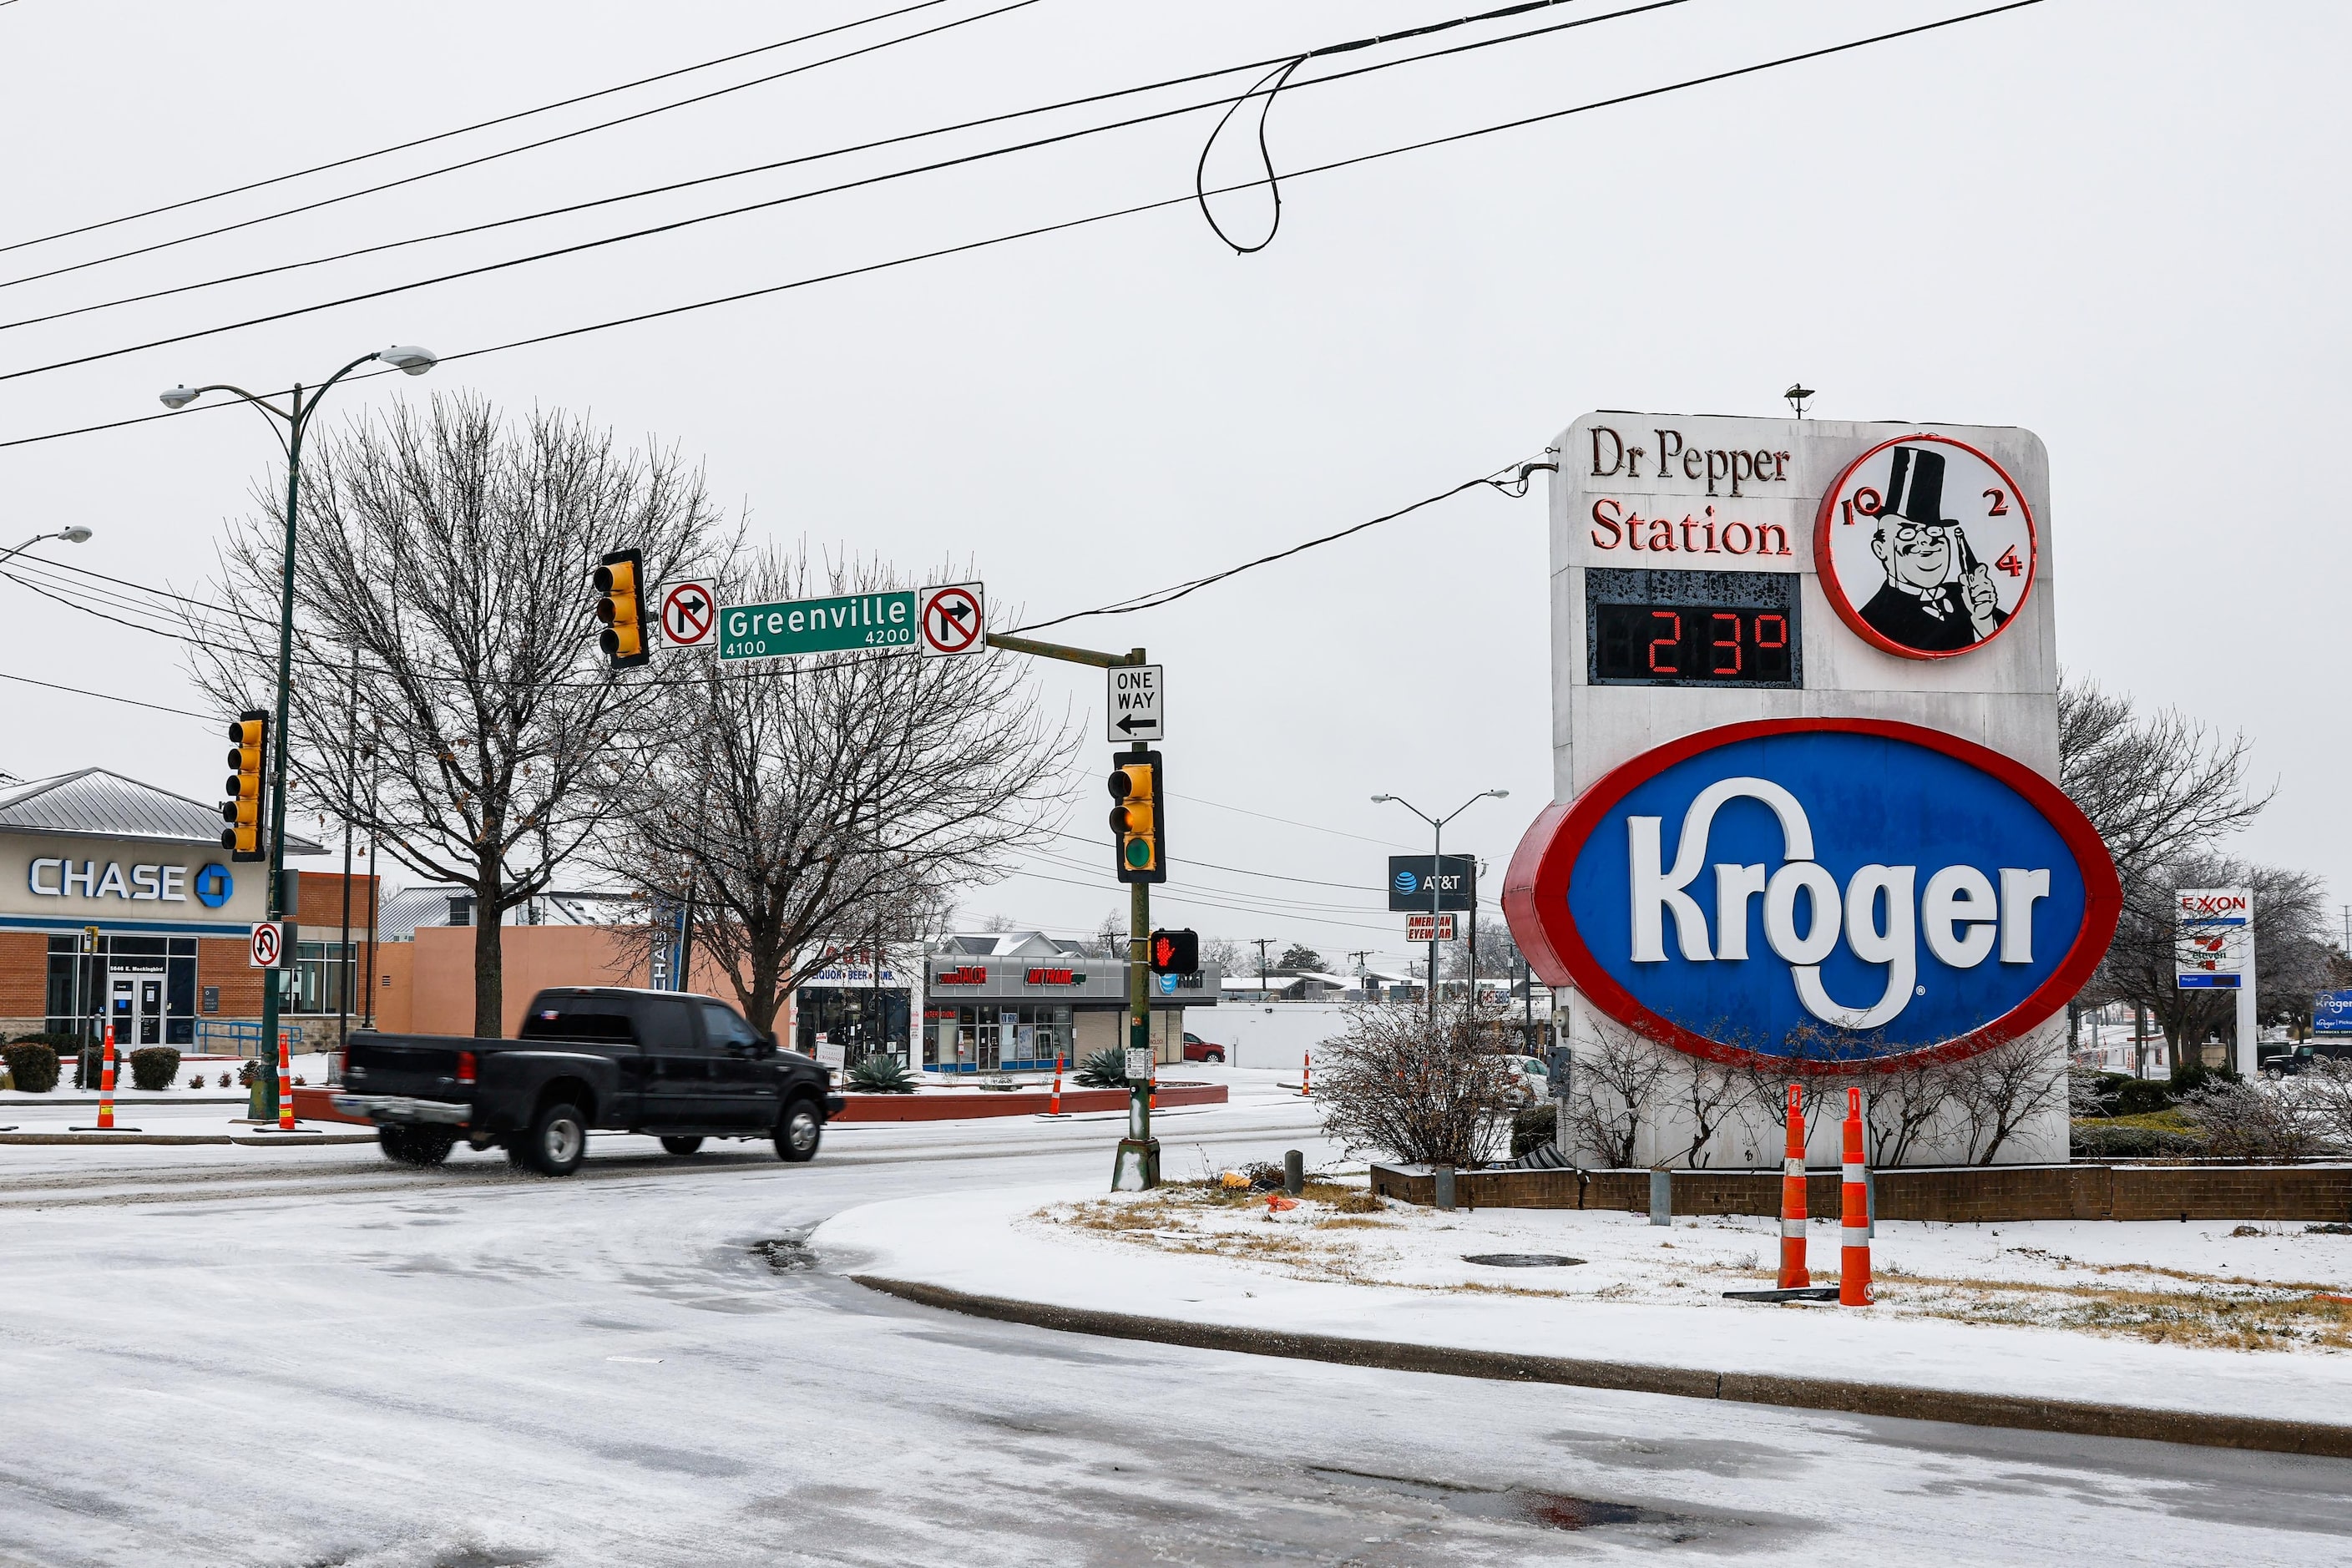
[
  {"x": 214, "y": 886},
  {"x": 1406, "y": 881},
  {"x": 1820, "y": 889}
]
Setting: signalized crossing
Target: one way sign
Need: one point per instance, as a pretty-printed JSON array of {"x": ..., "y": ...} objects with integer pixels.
[{"x": 1135, "y": 713}]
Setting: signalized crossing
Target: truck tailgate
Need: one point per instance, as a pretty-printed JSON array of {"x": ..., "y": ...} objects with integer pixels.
[{"x": 421, "y": 1067}]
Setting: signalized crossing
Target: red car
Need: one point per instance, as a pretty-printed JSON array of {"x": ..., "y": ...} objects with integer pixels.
[{"x": 1197, "y": 1049}]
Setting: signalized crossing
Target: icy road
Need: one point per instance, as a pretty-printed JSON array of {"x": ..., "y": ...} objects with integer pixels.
[{"x": 229, "y": 1356}]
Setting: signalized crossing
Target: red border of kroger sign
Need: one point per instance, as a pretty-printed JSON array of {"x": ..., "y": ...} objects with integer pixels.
[{"x": 1534, "y": 890}]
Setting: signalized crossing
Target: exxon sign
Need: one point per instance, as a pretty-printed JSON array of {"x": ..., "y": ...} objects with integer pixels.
[{"x": 1817, "y": 890}]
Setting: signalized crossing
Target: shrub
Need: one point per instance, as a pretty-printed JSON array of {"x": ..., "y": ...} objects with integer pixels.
[
  {"x": 1534, "y": 1127},
  {"x": 246, "y": 1074},
  {"x": 2120, "y": 1094},
  {"x": 32, "y": 1068},
  {"x": 155, "y": 1066},
  {"x": 195, "y": 1080},
  {"x": 224, "y": 1081},
  {"x": 1432, "y": 1093},
  {"x": 2101, "y": 1140},
  {"x": 881, "y": 1075},
  {"x": 2253, "y": 1122},
  {"x": 1107, "y": 1068}
]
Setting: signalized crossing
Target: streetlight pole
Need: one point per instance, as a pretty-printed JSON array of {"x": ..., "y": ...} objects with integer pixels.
[
  {"x": 1436, "y": 863},
  {"x": 296, "y": 416}
]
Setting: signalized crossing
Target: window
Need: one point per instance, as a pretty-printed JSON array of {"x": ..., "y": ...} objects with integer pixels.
[
  {"x": 725, "y": 1028},
  {"x": 321, "y": 969},
  {"x": 1029, "y": 1037},
  {"x": 582, "y": 1021}
]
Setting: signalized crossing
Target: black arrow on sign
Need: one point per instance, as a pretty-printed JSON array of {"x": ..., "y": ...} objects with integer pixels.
[{"x": 1130, "y": 724}]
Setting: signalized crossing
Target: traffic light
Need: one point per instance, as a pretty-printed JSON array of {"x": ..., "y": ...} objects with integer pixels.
[
  {"x": 1175, "y": 952},
  {"x": 242, "y": 810},
  {"x": 1138, "y": 821},
  {"x": 622, "y": 609}
]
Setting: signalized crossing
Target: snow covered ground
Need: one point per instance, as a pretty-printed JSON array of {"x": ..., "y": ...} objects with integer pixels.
[
  {"x": 2159, "y": 1315},
  {"x": 221, "y": 1355}
]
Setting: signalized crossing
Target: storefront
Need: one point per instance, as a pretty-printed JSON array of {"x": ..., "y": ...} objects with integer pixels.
[
  {"x": 1023, "y": 1013},
  {"x": 851, "y": 1006},
  {"x": 117, "y": 906}
]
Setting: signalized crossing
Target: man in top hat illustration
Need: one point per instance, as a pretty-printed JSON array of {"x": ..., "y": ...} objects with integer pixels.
[{"x": 1921, "y": 606}]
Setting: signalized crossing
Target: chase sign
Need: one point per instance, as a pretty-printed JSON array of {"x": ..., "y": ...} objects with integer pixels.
[{"x": 1817, "y": 890}]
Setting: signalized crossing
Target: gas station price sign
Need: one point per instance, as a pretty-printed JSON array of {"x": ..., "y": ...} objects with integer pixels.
[{"x": 1692, "y": 628}]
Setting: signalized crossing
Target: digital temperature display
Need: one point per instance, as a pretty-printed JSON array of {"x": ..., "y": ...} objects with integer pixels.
[{"x": 1692, "y": 628}]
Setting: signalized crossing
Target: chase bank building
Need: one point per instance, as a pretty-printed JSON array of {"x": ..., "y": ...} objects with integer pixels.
[{"x": 117, "y": 903}]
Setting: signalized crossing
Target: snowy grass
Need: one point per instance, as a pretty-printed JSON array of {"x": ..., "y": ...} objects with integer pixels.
[{"x": 2156, "y": 1283}]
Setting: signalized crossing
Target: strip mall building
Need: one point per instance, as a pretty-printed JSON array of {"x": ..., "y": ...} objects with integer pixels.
[{"x": 117, "y": 904}]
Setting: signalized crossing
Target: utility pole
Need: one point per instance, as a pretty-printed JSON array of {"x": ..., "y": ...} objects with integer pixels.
[
  {"x": 1137, "y": 1165},
  {"x": 1261, "y": 943},
  {"x": 1360, "y": 954}
]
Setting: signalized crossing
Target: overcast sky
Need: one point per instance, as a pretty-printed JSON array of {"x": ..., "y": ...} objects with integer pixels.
[{"x": 2120, "y": 224}]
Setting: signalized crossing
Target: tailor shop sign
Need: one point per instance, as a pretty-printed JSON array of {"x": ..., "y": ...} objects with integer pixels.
[{"x": 1817, "y": 890}]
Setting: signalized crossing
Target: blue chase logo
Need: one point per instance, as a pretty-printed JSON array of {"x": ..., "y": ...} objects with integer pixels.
[
  {"x": 1818, "y": 890},
  {"x": 213, "y": 884}
]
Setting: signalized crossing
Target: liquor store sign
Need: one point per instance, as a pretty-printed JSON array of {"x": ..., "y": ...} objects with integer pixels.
[{"x": 1817, "y": 890}]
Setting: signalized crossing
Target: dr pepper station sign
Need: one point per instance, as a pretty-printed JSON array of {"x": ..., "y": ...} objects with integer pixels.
[{"x": 1806, "y": 742}]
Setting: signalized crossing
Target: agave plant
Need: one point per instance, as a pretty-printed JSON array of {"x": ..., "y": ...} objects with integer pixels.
[
  {"x": 881, "y": 1075},
  {"x": 1106, "y": 1069}
]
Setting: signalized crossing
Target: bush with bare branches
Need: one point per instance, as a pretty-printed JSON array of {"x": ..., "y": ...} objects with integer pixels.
[
  {"x": 2325, "y": 1089},
  {"x": 1997, "y": 1091},
  {"x": 1617, "y": 1074},
  {"x": 1430, "y": 1094},
  {"x": 1900, "y": 1102},
  {"x": 2251, "y": 1122}
]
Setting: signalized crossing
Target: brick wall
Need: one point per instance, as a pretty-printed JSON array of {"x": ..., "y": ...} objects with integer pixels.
[
  {"x": 24, "y": 975},
  {"x": 2321, "y": 1193},
  {"x": 322, "y": 901},
  {"x": 222, "y": 961}
]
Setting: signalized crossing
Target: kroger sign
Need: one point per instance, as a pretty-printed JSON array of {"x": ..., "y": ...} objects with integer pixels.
[{"x": 1839, "y": 889}]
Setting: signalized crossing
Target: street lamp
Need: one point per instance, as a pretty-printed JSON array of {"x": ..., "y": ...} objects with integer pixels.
[
  {"x": 74, "y": 535},
  {"x": 1436, "y": 859},
  {"x": 410, "y": 359}
]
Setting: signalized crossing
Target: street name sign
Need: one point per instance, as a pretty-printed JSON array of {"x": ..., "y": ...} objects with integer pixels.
[
  {"x": 1417, "y": 927},
  {"x": 1133, "y": 709},
  {"x": 852, "y": 623},
  {"x": 689, "y": 614}
]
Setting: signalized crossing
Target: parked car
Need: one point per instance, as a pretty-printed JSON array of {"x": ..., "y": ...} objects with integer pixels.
[
  {"x": 1197, "y": 1049},
  {"x": 1530, "y": 1081},
  {"x": 2295, "y": 1059},
  {"x": 680, "y": 1067}
]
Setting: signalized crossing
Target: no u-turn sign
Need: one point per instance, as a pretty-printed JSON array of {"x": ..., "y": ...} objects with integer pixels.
[{"x": 272, "y": 946}]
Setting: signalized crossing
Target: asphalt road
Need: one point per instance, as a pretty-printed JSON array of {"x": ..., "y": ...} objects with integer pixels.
[{"x": 310, "y": 1357}]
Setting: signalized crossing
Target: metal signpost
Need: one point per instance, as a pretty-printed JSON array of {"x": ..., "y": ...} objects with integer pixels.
[
  {"x": 2213, "y": 949},
  {"x": 1805, "y": 750}
]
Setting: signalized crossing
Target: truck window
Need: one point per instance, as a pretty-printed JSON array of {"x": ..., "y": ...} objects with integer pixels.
[
  {"x": 590, "y": 1021},
  {"x": 725, "y": 1028}
]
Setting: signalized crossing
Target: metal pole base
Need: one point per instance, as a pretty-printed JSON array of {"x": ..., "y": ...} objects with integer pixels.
[{"x": 1137, "y": 1169}]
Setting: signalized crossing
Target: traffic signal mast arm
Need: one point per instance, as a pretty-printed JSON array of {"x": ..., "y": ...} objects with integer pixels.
[{"x": 1137, "y": 1162}]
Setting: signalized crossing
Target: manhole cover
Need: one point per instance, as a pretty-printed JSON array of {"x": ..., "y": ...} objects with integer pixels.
[{"x": 1520, "y": 1260}]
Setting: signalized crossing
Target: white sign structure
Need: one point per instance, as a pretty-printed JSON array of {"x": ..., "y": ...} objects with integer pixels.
[
  {"x": 271, "y": 945},
  {"x": 2213, "y": 949},
  {"x": 1132, "y": 707},
  {"x": 1138, "y": 1064},
  {"x": 689, "y": 614},
  {"x": 951, "y": 619},
  {"x": 1416, "y": 928}
]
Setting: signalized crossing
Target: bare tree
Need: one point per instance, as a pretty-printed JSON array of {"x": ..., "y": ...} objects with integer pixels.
[
  {"x": 1900, "y": 1101},
  {"x": 1429, "y": 1093},
  {"x": 2326, "y": 1089},
  {"x": 1228, "y": 955},
  {"x": 835, "y": 799},
  {"x": 1710, "y": 1094},
  {"x": 443, "y": 591},
  {"x": 2159, "y": 787},
  {"x": 1110, "y": 937},
  {"x": 1617, "y": 1074},
  {"x": 1997, "y": 1091}
]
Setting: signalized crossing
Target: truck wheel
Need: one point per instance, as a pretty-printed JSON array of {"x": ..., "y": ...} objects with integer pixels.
[
  {"x": 798, "y": 1134},
  {"x": 681, "y": 1146},
  {"x": 394, "y": 1141},
  {"x": 1217, "y": 1058},
  {"x": 418, "y": 1145},
  {"x": 557, "y": 1139}
]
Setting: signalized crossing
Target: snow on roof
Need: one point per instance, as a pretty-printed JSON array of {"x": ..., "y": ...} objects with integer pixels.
[
  {"x": 105, "y": 805},
  {"x": 1005, "y": 944},
  {"x": 437, "y": 904}
]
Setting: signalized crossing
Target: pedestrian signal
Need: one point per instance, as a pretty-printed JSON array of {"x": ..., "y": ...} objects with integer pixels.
[
  {"x": 622, "y": 609},
  {"x": 1136, "y": 822},
  {"x": 1175, "y": 952},
  {"x": 242, "y": 810}
]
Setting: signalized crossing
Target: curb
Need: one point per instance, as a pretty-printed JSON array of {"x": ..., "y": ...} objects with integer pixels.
[
  {"x": 255, "y": 1140},
  {"x": 2074, "y": 1417}
]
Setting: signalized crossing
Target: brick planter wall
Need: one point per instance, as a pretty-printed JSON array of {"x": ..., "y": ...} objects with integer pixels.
[{"x": 1952, "y": 1195}]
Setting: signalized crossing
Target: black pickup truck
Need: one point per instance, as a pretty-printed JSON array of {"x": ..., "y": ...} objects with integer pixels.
[{"x": 682, "y": 1067}]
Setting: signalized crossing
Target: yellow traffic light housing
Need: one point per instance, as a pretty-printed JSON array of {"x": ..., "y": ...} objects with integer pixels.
[
  {"x": 1138, "y": 822},
  {"x": 248, "y": 761},
  {"x": 622, "y": 609}
]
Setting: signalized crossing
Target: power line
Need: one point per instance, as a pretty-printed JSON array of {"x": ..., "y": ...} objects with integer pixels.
[
  {"x": 900, "y": 139},
  {"x": 104, "y": 696},
  {"x": 510, "y": 152},
  {"x": 1043, "y": 229},
  {"x": 695, "y": 220}
]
